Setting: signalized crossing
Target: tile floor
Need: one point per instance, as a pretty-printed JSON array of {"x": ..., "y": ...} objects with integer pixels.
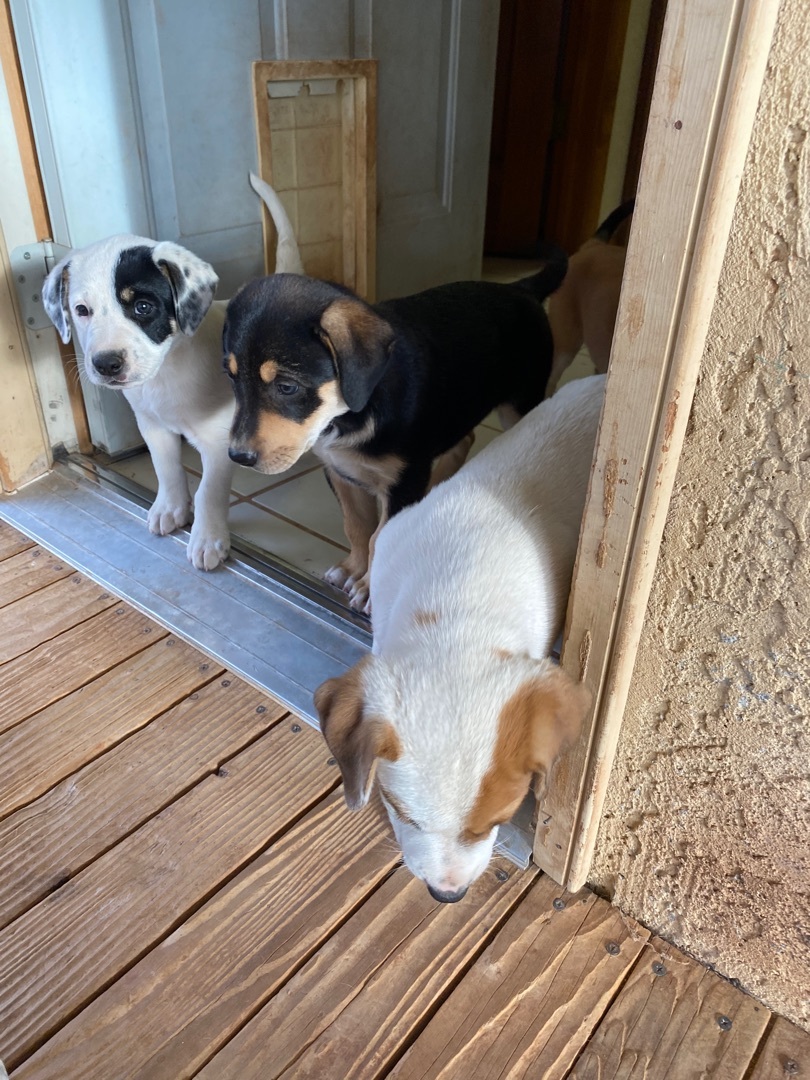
[{"x": 294, "y": 516}]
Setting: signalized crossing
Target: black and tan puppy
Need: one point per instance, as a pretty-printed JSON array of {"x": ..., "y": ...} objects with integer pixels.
[{"x": 379, "y": 393}]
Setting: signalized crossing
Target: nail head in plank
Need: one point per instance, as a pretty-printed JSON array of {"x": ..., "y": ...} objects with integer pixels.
[
  {"x": 244, "y": 943},
  {"x": 369, "y": 988},
  {"x": 683, "y": 1022},
  {"x": 56, "y": 957},
  {"x": 76, "y": 657},
  {"x": 529, "y": 1004},
  {"x": 52, "y": 839},
  {"x": 48, "y": 746},
  {"x": 36, "y": 618}
]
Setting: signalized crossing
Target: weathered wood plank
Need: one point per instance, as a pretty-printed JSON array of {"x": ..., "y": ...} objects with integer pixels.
[
  {"x": 531, "y": 1001},
  {"x": 166, "y": 1016},
  {"x": 48, "y": 746},
  {"x": 29, "y": 571},
  {"x": 11, "y": 541},
  {"x": 786, "y": 1053},
  {"x": 350, "y": 1009},
  {"x": 671, "y": 1020},
  {"x": 57, "y": 667},
  {"x": 56, "y": 957},
  {"x": 36, "y": 618},
  {"x": 53, "y": 838}
]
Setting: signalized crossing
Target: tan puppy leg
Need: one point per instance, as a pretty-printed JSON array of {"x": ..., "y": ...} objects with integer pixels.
[{"x": 360, "y": 519}]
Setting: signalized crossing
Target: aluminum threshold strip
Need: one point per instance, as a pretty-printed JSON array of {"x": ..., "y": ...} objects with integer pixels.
[
  {"x": 257, "y": 617},
  {"x": 280, "y": 640}
]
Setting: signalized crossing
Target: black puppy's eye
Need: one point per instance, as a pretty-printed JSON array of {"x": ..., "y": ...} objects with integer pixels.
[
  {"x": 286, "y": 388},
  {"x": 81, "y": 311},
  {"x": 143, "y": 308}
]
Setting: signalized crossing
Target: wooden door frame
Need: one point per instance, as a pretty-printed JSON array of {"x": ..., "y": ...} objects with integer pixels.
[
  {"x": 710, "y": 73},
  {"x": 11, "y": 72}
]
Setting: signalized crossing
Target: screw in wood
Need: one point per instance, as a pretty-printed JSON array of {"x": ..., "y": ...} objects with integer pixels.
[
  {"x": 724, "y": 1023},
  {"x": 331, "y": 761},
  {"x": 658, "y": 968},
  {"x": 501, "y": 875},
  {"x": 791, "y": 1067},
  {"x": 261, "y": 708},
  {"x": 613, "y": 948},
  {"x": 558, "y": 904},
  {"x": 296, "y": 728}
]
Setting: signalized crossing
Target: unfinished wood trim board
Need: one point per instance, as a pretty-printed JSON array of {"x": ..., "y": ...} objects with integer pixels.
[
  {"x": 710, "y": 73},
  {"x": 12, "y": 72},
  {"x": 316, "y": 125}
]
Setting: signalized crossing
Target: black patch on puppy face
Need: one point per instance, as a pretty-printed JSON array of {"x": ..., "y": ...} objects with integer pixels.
[{"x": 145, "y": 294}]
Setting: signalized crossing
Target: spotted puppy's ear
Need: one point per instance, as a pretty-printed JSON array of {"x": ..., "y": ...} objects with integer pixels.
[
  {"x": 55, "y": 299},
  {"x": 193, "y": 283},
  {"x": 556, "y": 707},
  {"x": 355, "y": 740},
  {"x": 360, "y": 343}
]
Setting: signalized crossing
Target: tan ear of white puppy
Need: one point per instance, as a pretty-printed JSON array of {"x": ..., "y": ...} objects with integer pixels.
[
  {"x": 355, "y": 740},
  {"x": 557, "y": 707},
  {"x": 55, "y": 298},
  {"x": 193, "y": 283}
]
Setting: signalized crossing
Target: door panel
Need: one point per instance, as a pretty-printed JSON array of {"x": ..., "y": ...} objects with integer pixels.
[{"x": 143, "y": 120}]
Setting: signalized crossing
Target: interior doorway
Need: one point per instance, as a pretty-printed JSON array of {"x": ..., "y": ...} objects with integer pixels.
[{"x": 573, "y": 85}]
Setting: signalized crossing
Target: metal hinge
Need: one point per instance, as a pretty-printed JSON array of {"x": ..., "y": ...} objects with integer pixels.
[{"x": 30, "y": 265}]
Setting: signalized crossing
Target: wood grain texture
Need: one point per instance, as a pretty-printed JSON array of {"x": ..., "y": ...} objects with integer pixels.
[
  {"x": 687, "y": 190},
  {"x": 48, "y": 746},
  {"x": 530, "y": 1003},
  {"x": 786, "y": 1053},
  {"x": 348, "y": 1011},
  {"x": 128, "y": 900},
  {"x": 41, "y": 616},
  {"x": 161, "y": 1021},
  {"x": 12, "y": 542},
  {"x": 75, "y": 657},
  {"x": 51, "y": 839},
  {"x": 673, "y": 1025},
  {"x": 29, "y": 571}
]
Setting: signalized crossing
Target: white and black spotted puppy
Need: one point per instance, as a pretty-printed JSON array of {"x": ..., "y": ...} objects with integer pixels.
[{"x": 146, "y": 321}]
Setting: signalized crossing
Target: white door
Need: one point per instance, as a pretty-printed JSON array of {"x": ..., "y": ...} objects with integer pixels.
[{"x": 142, "y": 113}]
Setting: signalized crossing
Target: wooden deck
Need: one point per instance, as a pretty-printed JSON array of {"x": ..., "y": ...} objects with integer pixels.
[{"x": 184, "y": 894}]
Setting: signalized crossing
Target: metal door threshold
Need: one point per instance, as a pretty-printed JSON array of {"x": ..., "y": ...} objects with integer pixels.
[{"x": 258, "y": 619}]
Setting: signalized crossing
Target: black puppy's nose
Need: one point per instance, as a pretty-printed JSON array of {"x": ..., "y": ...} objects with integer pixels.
[
  {"x": 108, "y": 363},
  {"x": 243, "y": 457},
  {"x": 447, "y": 897}
]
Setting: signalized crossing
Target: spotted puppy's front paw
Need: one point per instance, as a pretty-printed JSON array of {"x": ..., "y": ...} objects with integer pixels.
[
  {"x": 166, "y": 515},
  {"x": 208, "y": 546}
]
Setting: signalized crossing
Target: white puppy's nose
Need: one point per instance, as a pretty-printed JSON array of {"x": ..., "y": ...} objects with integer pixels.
[{"x": 448, "y": 897}]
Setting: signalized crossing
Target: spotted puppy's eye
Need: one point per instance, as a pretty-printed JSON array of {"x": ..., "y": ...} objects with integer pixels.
[
  {"x": 82, "y": 311},
  {"x": 143, "y": 308},
  {"x": 286, "y": 387}
]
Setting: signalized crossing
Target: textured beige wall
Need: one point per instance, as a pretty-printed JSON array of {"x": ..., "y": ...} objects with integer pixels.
[{"x": 705, "y": 834}]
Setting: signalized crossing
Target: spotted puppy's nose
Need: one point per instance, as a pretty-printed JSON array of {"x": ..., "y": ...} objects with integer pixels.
[
  {"x": 108, "y": 363},
  {"x": 447, "y": 897},
  {"x": 243, "y": 457}
]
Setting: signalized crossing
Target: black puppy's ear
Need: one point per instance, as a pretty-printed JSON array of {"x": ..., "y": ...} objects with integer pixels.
[
  {"x": 360, "y": 343},
  {"x": 193, "y": 283},
  {"x": 55, "y": 298}
]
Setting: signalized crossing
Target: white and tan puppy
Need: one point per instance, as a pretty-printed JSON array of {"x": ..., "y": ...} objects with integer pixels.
[
  {"x": 145, "y": 320},
  {"x": 458, "y": 705}
]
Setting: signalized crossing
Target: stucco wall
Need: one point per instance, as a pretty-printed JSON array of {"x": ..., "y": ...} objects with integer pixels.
[{"x": 705, "y": 834}]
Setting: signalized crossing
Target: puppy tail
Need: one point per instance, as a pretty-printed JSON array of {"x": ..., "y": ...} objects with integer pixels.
[
  {"x": 288, "y": 258},
  {"x": 549, "y": 279},
  {"x": 614, "y": 220}
]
